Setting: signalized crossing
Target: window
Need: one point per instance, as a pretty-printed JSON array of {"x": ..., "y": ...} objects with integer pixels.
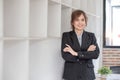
[{"x": 111, "y": 21}]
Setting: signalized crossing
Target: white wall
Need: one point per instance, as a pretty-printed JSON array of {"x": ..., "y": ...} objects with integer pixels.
[
  {"x": 1, "y": 59},
  {"x": 46, "y": 62},
  {"x": 1, "y": 34},
  {"x": 29, "y": 47}
]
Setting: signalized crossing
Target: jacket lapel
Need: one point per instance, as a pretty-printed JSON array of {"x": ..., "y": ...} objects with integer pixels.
[
  {"x": 75, "y": 41},
  {"x": 84, "y": 40}
]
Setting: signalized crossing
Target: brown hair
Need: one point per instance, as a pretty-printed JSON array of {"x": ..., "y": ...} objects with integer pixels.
[{"x": 76, "y": 14}]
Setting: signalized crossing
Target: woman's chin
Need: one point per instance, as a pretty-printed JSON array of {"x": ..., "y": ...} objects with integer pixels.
[{"x": 80, "y": 29}]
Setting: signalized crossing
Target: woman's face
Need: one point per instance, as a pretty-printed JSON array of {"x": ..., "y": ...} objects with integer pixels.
[{"x": 79, "y": 23}]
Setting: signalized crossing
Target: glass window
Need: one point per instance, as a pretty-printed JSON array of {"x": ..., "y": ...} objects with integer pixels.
[{"x": 111, "y": 22}]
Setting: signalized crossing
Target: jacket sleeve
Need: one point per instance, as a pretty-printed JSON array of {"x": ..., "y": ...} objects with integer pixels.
[
  {"x": 90, "y": 54},
  {"x": 66, "y": 55}
]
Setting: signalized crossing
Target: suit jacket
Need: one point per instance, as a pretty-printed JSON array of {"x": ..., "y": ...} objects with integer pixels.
[{"x": 79, "y": 67}]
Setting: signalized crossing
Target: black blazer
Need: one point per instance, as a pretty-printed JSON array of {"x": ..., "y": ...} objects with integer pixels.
[{"x": 80, "y": 67}]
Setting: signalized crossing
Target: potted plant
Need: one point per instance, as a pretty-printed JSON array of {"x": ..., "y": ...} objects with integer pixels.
[{"x": 104, "y": 71}]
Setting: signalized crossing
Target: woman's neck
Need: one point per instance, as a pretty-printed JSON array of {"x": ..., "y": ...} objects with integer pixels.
[{"x": 78, "y": 32}]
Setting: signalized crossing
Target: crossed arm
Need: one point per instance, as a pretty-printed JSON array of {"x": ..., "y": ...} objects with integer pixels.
[{"x": 70, "y": 55}]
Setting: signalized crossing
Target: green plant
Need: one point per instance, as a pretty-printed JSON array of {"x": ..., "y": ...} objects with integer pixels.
[{"x": 104, "y": 71}]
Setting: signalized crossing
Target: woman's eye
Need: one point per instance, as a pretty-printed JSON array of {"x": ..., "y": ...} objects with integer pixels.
[
  {"x": 77, "y": 20},
  {"x": 83, "y": 20}
]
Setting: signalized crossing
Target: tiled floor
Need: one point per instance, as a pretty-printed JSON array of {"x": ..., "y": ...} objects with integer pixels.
[{"x": 111, "y": 77}]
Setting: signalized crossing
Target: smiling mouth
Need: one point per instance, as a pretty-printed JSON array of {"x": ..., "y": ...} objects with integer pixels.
[{"x": 79, "y": 26}]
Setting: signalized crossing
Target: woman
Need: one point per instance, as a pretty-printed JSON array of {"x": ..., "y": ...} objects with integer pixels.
[{"x": 78, "y": 48}]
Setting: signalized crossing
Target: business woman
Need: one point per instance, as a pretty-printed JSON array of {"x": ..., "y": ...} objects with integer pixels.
[{"x": 78, "y": 49}]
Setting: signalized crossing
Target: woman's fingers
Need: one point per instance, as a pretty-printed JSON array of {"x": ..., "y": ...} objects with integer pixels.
[
  {"x": 65, "y": 49},
  {"x": 91, "y": 48},
  {"x": 67, "y": 45}
]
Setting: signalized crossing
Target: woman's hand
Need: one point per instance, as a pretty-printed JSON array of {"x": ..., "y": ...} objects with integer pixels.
[
  {"x": 70, "y": 50},
  {"x": 91, "y": 48}
]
